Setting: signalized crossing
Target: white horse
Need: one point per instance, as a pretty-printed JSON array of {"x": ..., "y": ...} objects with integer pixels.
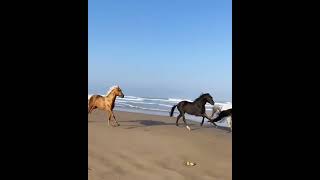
[{"x": 221, "y": 115}]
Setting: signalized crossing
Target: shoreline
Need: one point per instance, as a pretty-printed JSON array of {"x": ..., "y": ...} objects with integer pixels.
[
  {"x": 190, "y": 118},
  {"x": 162, "y": 107}
]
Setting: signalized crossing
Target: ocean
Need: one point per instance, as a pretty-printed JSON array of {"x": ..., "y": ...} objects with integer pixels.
[{"x": 161, "y": 106}]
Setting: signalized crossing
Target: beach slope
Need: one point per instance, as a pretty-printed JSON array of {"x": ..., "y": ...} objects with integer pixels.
[{"x": 152, "y": 147}]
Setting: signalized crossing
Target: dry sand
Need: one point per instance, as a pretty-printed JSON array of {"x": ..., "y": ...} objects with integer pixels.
[{"x": 149, "y": 147}]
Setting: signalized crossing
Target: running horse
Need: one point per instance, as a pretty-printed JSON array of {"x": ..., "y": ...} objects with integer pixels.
[
  {"x": 222, "y": 114},
  {"x": 196, "y": 108},
  {"x": 106, "y": 103}
]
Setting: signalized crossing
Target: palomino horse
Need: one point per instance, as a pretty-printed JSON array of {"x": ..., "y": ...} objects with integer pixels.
[
  {"x": 106, "y": 103},
  {"x": 196, "y": 108}
]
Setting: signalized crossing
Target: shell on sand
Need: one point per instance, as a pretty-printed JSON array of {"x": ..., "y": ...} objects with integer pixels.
[{"x": 190, "y": 163}]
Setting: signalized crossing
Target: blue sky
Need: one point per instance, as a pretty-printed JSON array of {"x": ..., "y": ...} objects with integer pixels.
[{"x": 161, "y": 48}]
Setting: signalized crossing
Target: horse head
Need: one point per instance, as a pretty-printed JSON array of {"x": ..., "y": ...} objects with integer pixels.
[
  {"x": 208, "y": 98},
  {"x": 116, "y": 90}
]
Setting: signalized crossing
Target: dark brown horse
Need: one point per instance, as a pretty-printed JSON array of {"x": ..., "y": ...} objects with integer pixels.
[
  {"x": 196, "y": 108},
  {"x": 106, "y": 103}
]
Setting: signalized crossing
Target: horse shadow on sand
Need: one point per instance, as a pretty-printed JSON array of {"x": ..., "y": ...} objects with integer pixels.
[
  {"x": 149, "y": 123},
  {"x": 210, "y": 126},
  {"x": 141, "y": 123},
  {"x": 144, "y": 123},
  {"x": 135, "y": 123}
]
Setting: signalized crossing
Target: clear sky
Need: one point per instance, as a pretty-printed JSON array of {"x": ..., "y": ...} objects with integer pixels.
[{"x": 161, "y": 48}]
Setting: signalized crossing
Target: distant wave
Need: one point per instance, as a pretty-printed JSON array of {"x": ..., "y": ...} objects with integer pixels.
[
  {"x": 133, "y": 98},
  {"x": 139, "y": 107},
  {"x": 135, "y": 102},
  {"x": 166, "y": 105},
  {"x": 158, "y": 104},
  {"x": 178, "y": 100}
]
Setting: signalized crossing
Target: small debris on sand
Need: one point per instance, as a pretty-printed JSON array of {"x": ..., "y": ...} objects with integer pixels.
[
  {"x": 188, "y": 128},
  {"x": 190, "y": 163}
]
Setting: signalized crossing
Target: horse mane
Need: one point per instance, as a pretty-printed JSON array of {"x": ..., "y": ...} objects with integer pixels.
[
  {"x": 201, "y": 95},
  {"x": 111, "y": 89}
]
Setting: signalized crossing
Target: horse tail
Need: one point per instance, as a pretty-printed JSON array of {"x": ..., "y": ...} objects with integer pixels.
[
  {"x": 91, "y": 102},
  {"x": 172, "y": 110},
  {"x": 222, "y": 115},
  {"x": 216, "y": 119}
]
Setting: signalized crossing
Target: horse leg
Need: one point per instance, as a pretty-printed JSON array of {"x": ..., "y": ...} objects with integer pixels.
[
  {"x": 112, "y": 122},
  {"x": 211, "y": 120},
  {"x": 91, "y": 109},
  {"x": 185, "y": 123},
  {"x": 178, "y": 119},
  {"x": 202, "y": 121},
  {"x": 115, "y": 119},
  {"x": 109, "y": 117}
]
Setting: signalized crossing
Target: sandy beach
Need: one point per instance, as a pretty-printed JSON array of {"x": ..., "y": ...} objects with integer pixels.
[{"x": 152, "y": 147}]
